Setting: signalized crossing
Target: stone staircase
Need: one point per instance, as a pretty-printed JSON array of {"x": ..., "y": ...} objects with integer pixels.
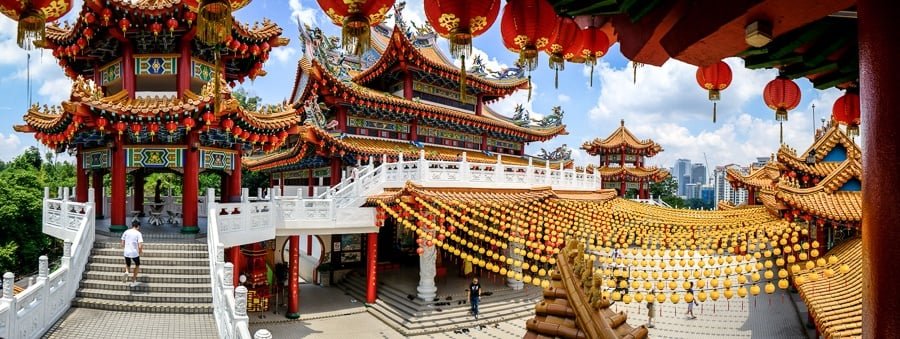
[
  {"x": 174, "y": 278},
  {"x": 417, "y": 317}
]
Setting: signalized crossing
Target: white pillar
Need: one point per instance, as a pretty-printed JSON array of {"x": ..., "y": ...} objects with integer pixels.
[
  {"x": 262, "y": 334},
  {"x": 427, "y": 270},
  {"x": 512, "y": 282}
]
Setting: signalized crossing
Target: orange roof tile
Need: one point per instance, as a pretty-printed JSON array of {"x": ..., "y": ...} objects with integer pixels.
[
  {"x": 621, "y": 137},
  {"x": 761, "y": 177},
  {"x": 824, "y": 199},
  {"x": 837, "y": 311},
  {"x": 614, "y": 173}
]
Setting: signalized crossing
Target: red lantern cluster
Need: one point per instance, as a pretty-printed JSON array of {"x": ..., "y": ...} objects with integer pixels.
[
  {"x": 356, "y": 19},
  {"x": 714, "y": 78},
  {"x": 526, "y": 27},
  {"x": 781, "y": 95},
  {"x": 846, "y": 111},
  {"x": 565, "y": 44},
  {"x": 594, "y": 45}
]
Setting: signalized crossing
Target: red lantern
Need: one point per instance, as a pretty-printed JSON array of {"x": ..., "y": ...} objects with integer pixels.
[
  {"x": 282, "y": 135},
  {"x": 171, "y": 126},
  {"x": 254, "y": 138},
  {"x": 106, "y": 14},
  {"x": 594, "y": 44},
  {"x": 265, "y": 46},
  {"x": 356, "y": 18},
  {"x": 153, "y": 128},
  {"x": 101, "y": 123},
  {"x": 81, "y": 43},
  {"x": 123, "y": 24},
  {"x": 190, "y": 17},
  {"x": 208, "y": 117},
  {"x": 155, "y": 27},
  {"x": 89, "y": 18},
  {"x": 32, "y": 16},
  {"x": 234, "y": 45},
  {"x": 714, "y": 78},
  {"x": 136, "y": 128},
  {"x": 237, "y": 131},
  {"x": 227, "y": 124},
  {"x": 273, "y": 140},
  {"x": 121, "y": 127},
  {"x": 459, "y": 22},
  {"x": 254, "y": 50},
  {"x": 782, "y": 95},
  {"x": 172, "y": 24},
  {"x": 526, "y": 27},
  {"x": 245, "y": 135},
  {"x": 565, "y": 43},
  {"x": 188, "y": 123},
  {"x": 88, "y": 33},
  {"x": 243, "y": 48},
  {"x": 846, "y": 111}
]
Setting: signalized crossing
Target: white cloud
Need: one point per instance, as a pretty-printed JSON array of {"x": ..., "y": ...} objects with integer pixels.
[
  {"x": 507, "y": 105},
  {"x": 56, "y": 90},
  {"x": 562, "y": 98},
  {"x": 10, "y": 146},
  {"x": 305, "y": 15},
  {"x": 284, "y": 54}
]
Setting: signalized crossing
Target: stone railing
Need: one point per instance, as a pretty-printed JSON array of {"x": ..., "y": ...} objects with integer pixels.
[
  {"x": 242, "y": 222},
  {"x": 229, "y": 303},
  {"x": 33, "y": 311}
]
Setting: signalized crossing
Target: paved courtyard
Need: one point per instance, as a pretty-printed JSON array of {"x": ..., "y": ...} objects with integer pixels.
[{"x": 84, "y": 323}]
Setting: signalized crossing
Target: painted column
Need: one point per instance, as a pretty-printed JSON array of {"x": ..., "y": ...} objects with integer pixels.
[
  {"x": 281, "y": 183},
  {"x": 427, "y": 270},
  {"x": 622, "y": 187},
  {"x": 414, "y": 129},
  {"x": 751, "y": 196},
  {"x": 236, "y": 259},
  {"x": 878, "y": 50},
  {"x": 81, "y": 178},
  {"x": 234, "y": 179},
  {"x": 309, "y": 240},
  {"x": 512, "y": 282},
  {"x": 117, "y": 213},
  {"x": 310, "y": 182},
  {"x": 223, "y": 187},
  {"x": 479, "y": 104},
  {"x": 342, "y": 118},
  {"x": 641, "y": 194},
  {"x": 128, "y": 70},
  {"x": 97, "y": 178},
  {"x": 335, "y": 171},
  {"x": 184, "y": 68},
  {"x": 371, "y": 268},
  {"x": 484, "y": 142},
  {"x": 138, "y": 191},
  {"x": 191, "y": 182},
  {"x": 407, "y": 86},
  {"x": 294, "y": 279}
]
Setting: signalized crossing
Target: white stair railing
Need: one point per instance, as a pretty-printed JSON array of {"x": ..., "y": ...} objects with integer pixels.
[{"x": 32, "y": 312}]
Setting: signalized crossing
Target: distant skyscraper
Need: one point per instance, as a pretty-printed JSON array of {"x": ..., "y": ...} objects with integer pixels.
[
  {"x": 698, "y": 174},
  {"x": 723, "y": 189},
  {"x": 708, "y": 195},
  {"x": 682, "y": 169},
  {"x": 692, "y": 190}
]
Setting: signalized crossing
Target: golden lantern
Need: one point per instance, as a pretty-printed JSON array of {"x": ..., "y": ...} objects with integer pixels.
[
  {"x": 626, "y": 299},
  {"x": 754, "y": 290},
  {"x": 742, "y": 291},
  {"x": 832, "y": 259},
  {"x": 828, "y": 272},
  {"x": 638, "y": 297},
  {"x": 755, "y": 276},
  {"x": 729, "y": 293},
  {"x": 783, "y": 284},
  {"x": 844, "y": 269},
  {"x": 674, "y": 298},
  {"x": 714, "y": 295},
  {"x": 813, "y": 276},
  {"x": 660, "y": 298},
  {"x": 769, "y": 274},
  {"x": 742, "y": 279},
  {"x": 727, "y": 283}
]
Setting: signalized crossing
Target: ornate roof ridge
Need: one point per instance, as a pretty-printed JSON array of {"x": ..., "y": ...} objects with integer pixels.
[
  {"x": 620, "y": 137},
  {"x": 850, "y": 168}
]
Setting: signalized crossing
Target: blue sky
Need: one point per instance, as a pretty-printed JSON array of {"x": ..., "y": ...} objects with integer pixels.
[{"x": 665, "y": 103}]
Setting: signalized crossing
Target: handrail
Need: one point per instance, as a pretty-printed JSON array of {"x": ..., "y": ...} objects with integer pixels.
[{"x": 32, "y": 312}]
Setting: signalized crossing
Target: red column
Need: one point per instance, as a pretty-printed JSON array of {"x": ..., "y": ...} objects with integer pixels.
[
  {"x": 371, "y": 268},
  {"x": 191, "y": 182},
  {"x": 81, "y": 179},
  {"x": 484, "y": 141},
  {"x": 309, "y": 240},
  {"x": 641, "y": 190},
  {"x": 479, "y": 104},
  {"x": 97, "y": 178},
  {"x": 184, "y": 68},
  {"x": 117, "y": 213},
  {"x": 878, "y": 50},
  {"x": 310, "y": 183},
  {"x": 407, "y": 86},
  {"x": 281, "y": 183},
  {"x": 414, "y": 130},
  {"x": 138, "y": 191},
  {"x": 335, "y": 171},
  {"x": 128, "y": 70},
  {"x": 234, "y": 180},
  {"x": 751, "y": 196},
  {"x": 223, "y": 187},
  {"x": 294, "y": 279},
  {"x": 341, "y": 117},
  {"x": 237, "y": 261},
  {"x": 622, "y": 188}
]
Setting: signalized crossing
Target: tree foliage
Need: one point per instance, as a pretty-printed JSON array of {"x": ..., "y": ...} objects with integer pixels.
[{"x": 666, "y": 191}]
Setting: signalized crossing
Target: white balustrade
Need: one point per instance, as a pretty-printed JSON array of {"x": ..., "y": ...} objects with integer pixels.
[
  {"x": 33, "y": 311},
  {"x": 242, "y": 222}
]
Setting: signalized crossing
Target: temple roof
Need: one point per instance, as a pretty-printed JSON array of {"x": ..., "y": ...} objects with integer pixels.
[
  {"x": 836, "y": 302},
  {"x": 361, "y": 95},
  {"x": 376, "y": 147},
  {"x": 826, "y": 199},
  {"x": 619, "y": 138},
  {"x": 398, "y": 49},
  {"x": 761, "y": 177},
  {"x": 827, "y": 156},
  {"x": 657, "y": 174}
]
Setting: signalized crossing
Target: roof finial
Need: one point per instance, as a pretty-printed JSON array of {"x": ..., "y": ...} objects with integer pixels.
[{"x": 622, "y": 122}]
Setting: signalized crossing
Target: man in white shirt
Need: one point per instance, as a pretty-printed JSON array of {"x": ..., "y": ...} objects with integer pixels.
[{"x": 133, "y": 244}]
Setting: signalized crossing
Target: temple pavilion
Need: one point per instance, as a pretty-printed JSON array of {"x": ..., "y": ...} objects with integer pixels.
[
  {"x": 150, "y": 97},
  {"x": 622, "y": 162}
]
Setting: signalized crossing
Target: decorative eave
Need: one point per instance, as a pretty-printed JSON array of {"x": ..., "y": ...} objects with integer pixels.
[
  {"x": 837, "y": 312},
  {"x": 615, "y": 173},
  {"x": 824, "y": 200},
  {"x": 822, "y": 146},
  {"x": 359, "y": 95},
  {"x": 621, "y": 138},
  {"x": 401, "y": 50},
  {"x": 761, "y": 177}
]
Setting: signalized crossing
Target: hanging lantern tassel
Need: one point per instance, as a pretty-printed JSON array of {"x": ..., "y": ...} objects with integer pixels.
[
  {"x": 216, "y": 86},
  {"x": 529, "y": 87},
  {"x": 781, "y": 114},
  {"x": 714, "y": 95},
  {"x": 462, "y": 77},
  {"x": 355, "y": 34},
  {"x": 781, "y": 132},
  {"x": 714, "y": 112},
  {"x": 214, "y": 21},
  {"x": 30, "y": 29},
  {"x": 592, "y": 73}
]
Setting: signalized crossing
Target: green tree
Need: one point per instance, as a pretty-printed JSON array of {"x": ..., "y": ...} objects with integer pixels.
[
  {"x": 22, "y": 196},
  {"x": 246, "y": 101},
  {"x": 663, "y": 189}
]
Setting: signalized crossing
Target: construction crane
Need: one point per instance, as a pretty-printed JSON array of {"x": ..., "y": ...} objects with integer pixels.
[{"x": 708, "y": 177}]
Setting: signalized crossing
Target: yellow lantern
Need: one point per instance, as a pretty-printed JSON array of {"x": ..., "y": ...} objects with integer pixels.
[
  {"x": 714, "y": 295},
  {"x": 714, "y": 283},
  {"x": 674, "y": 298},
  {"x": 783, "y": 284},
  {"x": 727, "y": 283},
  {"x": 832, "y": 259},
  {"x": 742, "y": 291},
  {"x": 754, "y": 290},
  {"x": 844, "y": 269},
  {"x": 647, "y": 285},
  {"x": 660, "y": 298},
  {"x": 810, "y": 265},
  {"x": 729, "y": 293},
  {"x": 660, "y": 285},
  {"x": 673, "y": 285},
  {"x": 828, "y": 272},
  {"x": 768, "y": 274},
  {"x": 616, "y": 296},
  {"x": 626, "y": 299},
  {"x": 638, "y": 297},
  {"x": 795, "y": 268},
  {"x": 801, "y": 280},
  {"x": 755, "y": 276},
  {"x": 742, "y": 279}
]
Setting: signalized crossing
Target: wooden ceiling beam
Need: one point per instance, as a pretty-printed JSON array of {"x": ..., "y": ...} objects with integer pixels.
[
  {"x": 639, "y": 41},
  {"x": 711, "y": 30}
]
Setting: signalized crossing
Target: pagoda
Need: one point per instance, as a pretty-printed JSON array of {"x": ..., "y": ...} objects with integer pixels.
[
  {"x": 148, "y": 96},
  {"x": 398, "y": 99},
  {"x": 622, "y": 159}
]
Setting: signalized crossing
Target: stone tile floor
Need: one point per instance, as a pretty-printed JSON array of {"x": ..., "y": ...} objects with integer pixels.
[{"x": 86, "y": 323}]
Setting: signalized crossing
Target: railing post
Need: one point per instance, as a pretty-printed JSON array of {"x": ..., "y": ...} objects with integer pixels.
[
  {"x": 7, "y": 298},
  {"x": 43, "y": 274},
  {"x": 245, "y": 194},
  {"x": 262, "y": 334},
  {"x": 384, "y": 168},
  {"x": 259, "y": 193},
  {"x": 46, "y": 193},
  {"x": 547, "y": 172},
  {"x": 498, "y": 170},
  {"x": 529, "y": 173},
  {"x": 464, "y": 168},
  {"x": 422, "y": 167},
  {"x": 228, "y": 277},
  {"x": 240, "y": 301}
]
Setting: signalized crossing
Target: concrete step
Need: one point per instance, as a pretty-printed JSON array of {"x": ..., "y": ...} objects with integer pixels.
[
  {"x": 145, "y": 286},
  {"x": 139, "y": 295},
  {"x": 136, "y": 306},
  {"x": 117, "y": 252},
  {"x": 174, "y": 246},
  {"x": 151, "y": 261},
  {"x": 149, "y": 269},
  {"x": 149, "y": 278}
]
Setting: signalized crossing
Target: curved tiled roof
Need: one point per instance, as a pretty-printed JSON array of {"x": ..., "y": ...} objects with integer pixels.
[
  {"x": 638, "y": 172},
  {"x": 431, "y": 60},
  {"x": 824, "y": 199},
  {"x": 357, "y": 94},
  {"x": 619, "y": 138},
  {"x": 837, "y": 311},
  {"x": 761, "y": 177}
]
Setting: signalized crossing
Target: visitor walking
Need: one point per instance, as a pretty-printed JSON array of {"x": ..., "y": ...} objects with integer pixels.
[
  {"x": 690, "y": 310},
  {"x": 474, "y": 295},
  {"x": 651, "y": 308},
  {"x": 133, "y": 245}
]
